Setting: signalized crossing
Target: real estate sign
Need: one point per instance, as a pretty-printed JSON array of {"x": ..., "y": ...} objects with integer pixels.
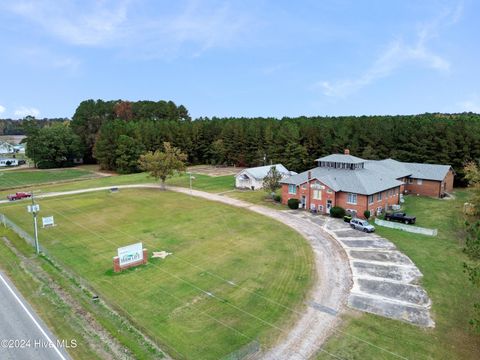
[
  {"x": 130, "y": 254},
  {"x": 48, "y": 221}
]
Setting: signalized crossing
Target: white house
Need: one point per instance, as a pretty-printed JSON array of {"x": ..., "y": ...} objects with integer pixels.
[
  {"x": 8, "y": 162},
  {"x": 6, "y": 148},
  {"x": 252, "y": 178}
]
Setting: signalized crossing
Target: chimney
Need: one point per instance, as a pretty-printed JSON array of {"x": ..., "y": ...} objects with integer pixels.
[
  {"x": 309, "y": 175},
  {"x": 347, "y": 152}
]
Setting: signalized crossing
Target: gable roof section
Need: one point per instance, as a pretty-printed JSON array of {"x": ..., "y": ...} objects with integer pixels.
[
  {"x": 361, "y": 181},
  {"x": 261, "y": 171},
  {"x": 428, "y": 171}
]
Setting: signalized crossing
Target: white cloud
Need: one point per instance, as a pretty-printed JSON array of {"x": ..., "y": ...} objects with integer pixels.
[
  {"x": 23, "y": 111},
  {"x": 2, "y": 109},
  {"x": 471, "y": 104},
  {"x": 112, "y": 24},
  {"x": 398, "y": 54}
]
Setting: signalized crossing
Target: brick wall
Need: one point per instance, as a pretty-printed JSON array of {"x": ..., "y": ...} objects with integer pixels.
[
  {"x": 389, "y": 197},
  {"x": 426, "y": 188},
  {"x": 448, "y": 181}
]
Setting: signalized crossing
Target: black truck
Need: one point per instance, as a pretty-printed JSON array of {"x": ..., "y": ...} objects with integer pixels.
[{"x": 401, "y": 217}]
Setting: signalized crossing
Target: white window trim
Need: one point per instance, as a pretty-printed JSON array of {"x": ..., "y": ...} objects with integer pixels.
[
  {"x": 351, "y": 202},
  {"x": 373, "y": 199},
  {"x": 419, "y": 181},
  {"x": 319, "y": 192},
  {"x": 290, "y": 186}
]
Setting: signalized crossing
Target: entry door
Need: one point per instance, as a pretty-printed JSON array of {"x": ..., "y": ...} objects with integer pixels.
[
  {"x": 329, "y": 206},
  {"x": 303, "y": 201}
]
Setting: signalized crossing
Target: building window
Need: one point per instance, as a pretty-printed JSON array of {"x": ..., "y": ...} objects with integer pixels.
[
  {"x": 317, "y": 194},
  {"x": 370, "y": 199},
  {"x": 410, "y": 180},
  {"x": 292, "y": 189},
  {"x": 304, "y": 187},
  {"x": 419, "y": 181},
  {"x": 352, "y": 198},
  {"x": 379, "y": 196},
  {"x": 329, "y": 191}
]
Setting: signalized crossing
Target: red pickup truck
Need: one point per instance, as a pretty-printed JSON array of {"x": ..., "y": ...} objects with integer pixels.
[{"x": 19, "y": 196}]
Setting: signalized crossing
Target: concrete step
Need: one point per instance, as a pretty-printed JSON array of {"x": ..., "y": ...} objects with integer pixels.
[
  {"x": 405, "y": 274},
  {"x": 416, "y": 315}
]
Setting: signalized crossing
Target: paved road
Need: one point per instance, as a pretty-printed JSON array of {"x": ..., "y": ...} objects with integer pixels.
[{"x": 23, "y": 335}]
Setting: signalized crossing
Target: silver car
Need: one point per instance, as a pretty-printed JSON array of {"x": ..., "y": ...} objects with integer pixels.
[{"x": 362, "y": 225}]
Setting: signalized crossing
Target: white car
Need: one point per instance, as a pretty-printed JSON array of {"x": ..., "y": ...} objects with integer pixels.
[{"x": 362, "y": 225}]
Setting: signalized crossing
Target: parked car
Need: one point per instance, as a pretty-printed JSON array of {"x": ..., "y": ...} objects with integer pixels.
[
  {"x": 401, "y": 217},
  {"x": 19, "y": 196},
  {"x": 362, "y": 225}
]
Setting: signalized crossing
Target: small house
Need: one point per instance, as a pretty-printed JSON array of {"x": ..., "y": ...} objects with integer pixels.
[{"x": 252, "y": 178}]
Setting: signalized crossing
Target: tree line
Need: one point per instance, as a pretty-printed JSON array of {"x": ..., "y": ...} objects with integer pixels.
[
  {"x": 17, "y": 127},
  {"x": 116, "y": 133}
]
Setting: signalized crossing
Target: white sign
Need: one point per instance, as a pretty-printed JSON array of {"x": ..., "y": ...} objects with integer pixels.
[
  {"x": 48, "y": 221},
  {"x": 33, "y": 208},
  {"x": 130, "y": 254}
]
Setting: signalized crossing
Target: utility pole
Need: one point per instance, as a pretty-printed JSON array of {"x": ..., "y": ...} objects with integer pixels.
[{"x": 34, "y": 209}]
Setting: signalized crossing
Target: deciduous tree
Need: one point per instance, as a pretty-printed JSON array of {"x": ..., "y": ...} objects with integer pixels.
[{"x": 163, "y": 164}]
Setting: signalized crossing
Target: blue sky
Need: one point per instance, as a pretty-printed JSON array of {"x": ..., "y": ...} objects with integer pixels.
[{"x": 242, "y": 58}]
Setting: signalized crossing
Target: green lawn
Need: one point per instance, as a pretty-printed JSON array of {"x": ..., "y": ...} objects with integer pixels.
[
  {"x": 231, "y": 277},
  {"x": 201, "y": 182},
  {"x": 22, "y": 178},
  {"x": 204, "y": 182},
  {"x": 259, "y": 197},
  {"x": 440, "y": 259}
]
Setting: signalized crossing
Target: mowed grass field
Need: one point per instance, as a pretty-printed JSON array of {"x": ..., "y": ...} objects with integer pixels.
[
  {"x": 233, "y": 278},
  {"x": 21, "y": 178},
  {"x": 440, "y": 259}
]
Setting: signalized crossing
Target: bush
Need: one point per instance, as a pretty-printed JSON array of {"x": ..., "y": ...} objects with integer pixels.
[
  {"x": 367, "y": 214},
  {"x": 293, "y": 203},
  {"x": 277, "y": 198},
  {"x": 337, "y": 212}
]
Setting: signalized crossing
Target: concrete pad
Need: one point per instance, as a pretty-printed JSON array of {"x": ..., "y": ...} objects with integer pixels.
[
  {"x": 373, "y": 244},
  {"x": 412, "y": 314},
  {"x": 381, "y": 256},
  {"x": 353, "y": 233},
  {"x": 406, "y": 274},
  {"x": 412, "y": 294}
]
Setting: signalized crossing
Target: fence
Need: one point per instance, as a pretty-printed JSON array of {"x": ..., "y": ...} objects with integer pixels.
[
  {"x": 408, "y": 228},
  {"x": 20, "y": 232},
  {"x": 245, "y": 352}
]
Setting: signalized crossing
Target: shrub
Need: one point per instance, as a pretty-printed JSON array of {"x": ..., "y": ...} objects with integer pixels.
[
  {"x": 277, "y": 198},
  {"x": 367, "y": 214},
  {"x": 293, "y": 203},
  {"x": 337, "y": 212}
]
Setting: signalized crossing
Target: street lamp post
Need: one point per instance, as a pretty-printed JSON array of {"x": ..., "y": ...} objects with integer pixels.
[{"x": 190, "y": 178}]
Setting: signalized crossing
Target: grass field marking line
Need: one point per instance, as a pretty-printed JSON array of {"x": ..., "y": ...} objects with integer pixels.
[
  {"x": 32, "y": 318},
  {"x": 201, "y": 290},
  {"x": 148, "y": 186}
]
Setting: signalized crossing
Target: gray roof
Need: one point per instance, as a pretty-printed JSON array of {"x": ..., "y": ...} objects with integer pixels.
[
  {"x": 261, "y": 171},
  {"x": 361, "y": 181},
  {"x": 428, "y": 171},
  {"x": 341, "y": 158},
  {"x": 376, "y": 176}
]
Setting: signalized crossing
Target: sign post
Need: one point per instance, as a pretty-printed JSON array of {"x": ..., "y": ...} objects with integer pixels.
[{"x": 34, "y": 209}]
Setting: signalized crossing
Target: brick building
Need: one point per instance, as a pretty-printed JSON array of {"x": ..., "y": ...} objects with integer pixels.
[{"x": 357, "y": 185}]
